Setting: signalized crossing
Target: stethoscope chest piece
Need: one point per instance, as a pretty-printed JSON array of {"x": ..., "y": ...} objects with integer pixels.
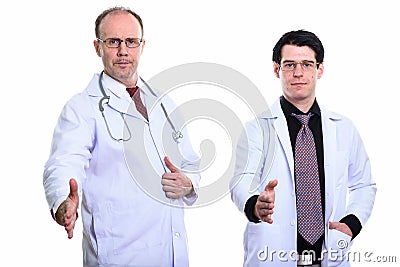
[{"x": 177, "y": 136}]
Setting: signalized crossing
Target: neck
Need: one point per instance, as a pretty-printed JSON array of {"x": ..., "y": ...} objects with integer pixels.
[
  {"x": 303, "y": 105},
  {"x": 129, "y": 83}
]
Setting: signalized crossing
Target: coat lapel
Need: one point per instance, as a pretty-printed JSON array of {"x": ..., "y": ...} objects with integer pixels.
[
  {"x": 118, "y": 100},
  {"x": 280, "y": 125},
  {"x": 329, "y": 121}
]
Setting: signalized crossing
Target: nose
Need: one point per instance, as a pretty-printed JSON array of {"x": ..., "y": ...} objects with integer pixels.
[
  {"x": 122, "y": 49},
  {"x": 298, "y": 70}
]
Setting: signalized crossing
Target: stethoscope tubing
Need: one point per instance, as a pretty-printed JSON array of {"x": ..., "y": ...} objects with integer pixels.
[{"x": 176, "y": 135}]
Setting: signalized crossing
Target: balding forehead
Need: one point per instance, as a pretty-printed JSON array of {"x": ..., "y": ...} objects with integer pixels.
[{"x": 120, "y": 22}]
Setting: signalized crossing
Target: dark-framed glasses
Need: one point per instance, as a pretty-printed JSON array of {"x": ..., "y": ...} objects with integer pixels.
[
  {"x": 116, "y": 42},
  {"x": 305, "y": 65}
]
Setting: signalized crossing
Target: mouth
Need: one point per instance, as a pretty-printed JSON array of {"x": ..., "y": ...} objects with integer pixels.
[
  {"x": 122, "y": 63},
  {"x": 298, "y": 84}
]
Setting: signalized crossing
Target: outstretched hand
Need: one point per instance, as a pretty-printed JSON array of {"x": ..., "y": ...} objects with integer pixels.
[
  {"x": 66, "y": 214},
  {"x": 265, "y": 204}
]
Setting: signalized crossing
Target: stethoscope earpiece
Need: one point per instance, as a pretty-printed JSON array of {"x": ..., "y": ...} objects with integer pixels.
[{"x": 101, "y": 105}]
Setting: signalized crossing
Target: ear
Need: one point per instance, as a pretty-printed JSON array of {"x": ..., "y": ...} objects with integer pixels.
[
  {"x": 276, "y": 69},
  {"x": 99, "y": 50},
  {"x": 320, "y": 70},
  {"x": 142, "y": 46}
]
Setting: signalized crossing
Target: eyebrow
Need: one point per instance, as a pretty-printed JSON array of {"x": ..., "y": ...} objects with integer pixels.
[
  {"x": 123, "y": 39},
  {"x": 305, "y": 60}
]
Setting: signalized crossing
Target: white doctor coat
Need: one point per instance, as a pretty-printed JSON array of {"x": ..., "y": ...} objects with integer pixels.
[
  {"x": 127, "y": 219},
  {"x": 266, "y": 154}
]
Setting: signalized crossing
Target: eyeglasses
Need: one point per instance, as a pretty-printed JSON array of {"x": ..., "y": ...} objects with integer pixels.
[
  {"x": 305, "y": 65},
  {"x": 116, "y": 42}
]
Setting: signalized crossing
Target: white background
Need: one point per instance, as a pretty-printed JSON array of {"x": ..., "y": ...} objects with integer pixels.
[{"x": 47, "y": 55}]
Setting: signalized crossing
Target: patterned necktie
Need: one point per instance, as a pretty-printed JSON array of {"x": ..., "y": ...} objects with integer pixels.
[
  {"x": 134, "y": 92},
  {"x": 308, "y": 191}
]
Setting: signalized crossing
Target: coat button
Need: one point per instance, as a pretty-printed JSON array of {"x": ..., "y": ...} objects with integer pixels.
[{"x": 177, "y": 234}]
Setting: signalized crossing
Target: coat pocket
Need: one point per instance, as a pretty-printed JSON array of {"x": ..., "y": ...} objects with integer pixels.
[
  {"x": 337, "y": 248},
  {"x": 131, "y": 232},
  {"x": 261, "y": 243}
]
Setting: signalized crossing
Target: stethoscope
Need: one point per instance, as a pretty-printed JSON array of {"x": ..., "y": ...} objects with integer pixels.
[{"x": 176, "y": 135}]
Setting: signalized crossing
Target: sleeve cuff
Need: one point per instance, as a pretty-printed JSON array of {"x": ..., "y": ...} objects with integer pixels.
[
  {"x": 353, "y": 223},
  {"x": 191, "y": 198},
  {"x": 249, "y": 209}
]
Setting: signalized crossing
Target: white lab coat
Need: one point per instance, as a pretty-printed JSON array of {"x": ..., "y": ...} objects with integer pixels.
[
  {"x": 266, "y": 154},
  {"x": 127, "y": 219}
]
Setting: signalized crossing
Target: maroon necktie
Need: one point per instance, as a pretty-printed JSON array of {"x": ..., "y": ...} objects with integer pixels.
[
  {"x": 308, "y": 191},
  {"x": 134, "y": 92}
]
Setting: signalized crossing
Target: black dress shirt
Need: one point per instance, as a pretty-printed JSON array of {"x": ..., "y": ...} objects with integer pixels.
[{"x": 294, "y": 126}]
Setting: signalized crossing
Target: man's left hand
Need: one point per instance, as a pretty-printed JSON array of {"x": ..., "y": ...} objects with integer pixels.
[
  {"x": 175, "y": 184},
  {"x": 342, "y": 227}
]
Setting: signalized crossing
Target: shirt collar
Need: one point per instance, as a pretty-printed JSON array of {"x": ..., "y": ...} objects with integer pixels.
[
  {"x": 119, "y": 88},
  {"x": 288, "y": 108}
]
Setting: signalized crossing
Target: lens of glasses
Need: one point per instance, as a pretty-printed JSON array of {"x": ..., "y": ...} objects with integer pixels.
[
  {"x": 132, "y": 42},
  {"x": 116, "y": 42},
  {"x": 305, "y": 65}
]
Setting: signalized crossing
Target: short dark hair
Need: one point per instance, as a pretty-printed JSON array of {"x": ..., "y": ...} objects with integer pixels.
[
  {"x": 299, "y": 38},
  {"x": 111, "y": 10}
]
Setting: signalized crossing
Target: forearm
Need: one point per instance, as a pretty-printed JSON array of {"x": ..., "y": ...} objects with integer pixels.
[{"x": 70, "y": 153}]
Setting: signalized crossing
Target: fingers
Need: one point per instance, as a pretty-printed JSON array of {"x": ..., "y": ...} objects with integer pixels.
[
  {"x": 267, "y": 217},
  {"x": 172, "y": 191},
  {"x": 170, "y": 166},
  {"x": 176, "y": 185},
  {"x": 66, "y": 214},
  {"x": 174, "y": 188},
  {"x": 70, "y": 225},
  {"x": 170, "y": 186},
  {"x": 265, "y": 204},
  {"x": 264, "y": 210}
]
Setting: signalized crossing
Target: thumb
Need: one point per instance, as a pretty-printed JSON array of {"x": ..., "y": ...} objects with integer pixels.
[
  {"x": 73, "y": 190},
  {"x": 169, "y": 165},
  {"x": 271, "y": 185}
]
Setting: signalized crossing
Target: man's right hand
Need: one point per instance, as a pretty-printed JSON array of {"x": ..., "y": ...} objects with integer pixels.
[
  {"x": 265, "y": 204},
  {"x": 66, "y": 214}
]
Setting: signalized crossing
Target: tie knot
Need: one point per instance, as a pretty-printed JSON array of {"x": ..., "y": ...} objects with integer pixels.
[
  {"x": 303, "y": 118},
  {"x": 132, "y": 90}
]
